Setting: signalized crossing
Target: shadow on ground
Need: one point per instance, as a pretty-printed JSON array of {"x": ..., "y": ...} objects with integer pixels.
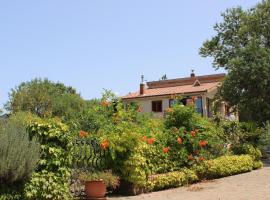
[{"x": 266, "y": 162}]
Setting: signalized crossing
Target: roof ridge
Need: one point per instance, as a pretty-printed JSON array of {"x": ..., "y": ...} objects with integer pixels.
[{"x": 188, "y": 78}]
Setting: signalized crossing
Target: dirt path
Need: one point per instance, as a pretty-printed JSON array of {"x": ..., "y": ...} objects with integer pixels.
[{"x": 250, "y": 186}]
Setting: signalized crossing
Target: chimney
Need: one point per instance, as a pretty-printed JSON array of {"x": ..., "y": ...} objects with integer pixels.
[
  {"x": 142, "y": 88},
  {"x": 192, "y": 75},
  {"x": 142, "y": 85}
]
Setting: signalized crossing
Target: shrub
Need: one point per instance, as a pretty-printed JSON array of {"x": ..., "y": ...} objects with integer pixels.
[
  {"x": 46, "y": 185},
  {"x": 11, "y": 193},
  {"x": 225, "y": 166},
  {"x": 180, "y": 116},
  {"x": 171, "y": 180},
  {"x": 51, "y": 180},
  {"x": 18, "y": 154}
]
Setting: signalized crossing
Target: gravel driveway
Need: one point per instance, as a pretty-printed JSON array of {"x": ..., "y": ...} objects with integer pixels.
[{"x": 250, "y": 186}]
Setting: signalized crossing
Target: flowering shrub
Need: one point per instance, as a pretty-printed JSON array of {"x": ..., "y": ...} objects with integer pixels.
[{"x": 142, "y": 146}]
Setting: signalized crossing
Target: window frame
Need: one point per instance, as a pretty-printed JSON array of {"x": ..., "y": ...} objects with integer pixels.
[{"x": 157, "y": 106}]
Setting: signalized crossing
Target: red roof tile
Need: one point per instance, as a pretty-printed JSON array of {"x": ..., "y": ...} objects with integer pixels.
[{"x": 183, "y": 89}]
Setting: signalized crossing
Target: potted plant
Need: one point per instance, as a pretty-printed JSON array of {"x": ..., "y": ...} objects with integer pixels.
[{"x": 96, "y": 183}]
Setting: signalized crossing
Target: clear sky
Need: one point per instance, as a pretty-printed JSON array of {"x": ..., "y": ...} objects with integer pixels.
[{"x": 95, "y": 44}]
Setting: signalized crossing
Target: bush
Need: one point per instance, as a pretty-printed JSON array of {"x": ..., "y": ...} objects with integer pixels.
[
  {"x": 11, "y": 193},
  {"x": 171, "y": 180},
  {"x": 225, "y": 166},
  {"x": 180, "y": 116},
  {"x": 51, "y": 180},
  {"x": 46, "y": 185},
  {"x": 18, "y": 154},
  {"x": 143, "y": 147}
]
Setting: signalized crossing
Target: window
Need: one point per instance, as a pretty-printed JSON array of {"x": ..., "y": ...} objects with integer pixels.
[
  {"x": 156, "y": 106},
  {"x": 199, "y": 105},
  {"x": 173, "y": 102}
]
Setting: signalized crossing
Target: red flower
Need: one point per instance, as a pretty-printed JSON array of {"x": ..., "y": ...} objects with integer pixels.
[
  {"x": 151, "y": 141},
  {"x": 166, "y": 149},
  {"x": 193, "y": 133},
  {"x": 83, "y": 134},
  {"x": 179, "y": 140},
  {"x": 105, "y": 144},
  {"x": 202, "y": 159},
  {"x": 190, "y": 157},
  {"x": 203, "y": 143}
]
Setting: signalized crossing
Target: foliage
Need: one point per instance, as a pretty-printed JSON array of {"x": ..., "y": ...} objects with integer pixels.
[
  {"x": 180, "y": 116},
  {"x": 242, "y": 46},
  {"x": 45, "y": 99},
  {"x": 109, "y": 179},
  {"x": 242, "y": 134},
  {"x": 224, "y": 166},
  {"x": 141, "y": 148},
  {"x": 51, "y": 180},
  {"x": 11, "y": 193},
  {"x": 171, "y": 180},
  {"x": 264, "y": 140},
  {"x": 19, "y": 155},
  {"x": 45, "y": 185}
]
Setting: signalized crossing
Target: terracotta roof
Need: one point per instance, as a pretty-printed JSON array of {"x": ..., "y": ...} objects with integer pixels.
[
  {"x": 184, "y": 89},
  {"x": 186, "y": 81},
  {"x": 179, "y": 86}
]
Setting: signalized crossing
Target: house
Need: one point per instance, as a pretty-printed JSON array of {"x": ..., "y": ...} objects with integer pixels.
[{"x": 157, "y": 96}]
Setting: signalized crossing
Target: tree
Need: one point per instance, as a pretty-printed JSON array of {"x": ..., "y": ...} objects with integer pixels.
[
  {"x": 45, "y": 99},
  {"x": 242, "y": 47}
]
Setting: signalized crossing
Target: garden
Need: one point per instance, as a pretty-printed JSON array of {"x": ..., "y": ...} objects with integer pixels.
[{"x": 138, "y": 153}]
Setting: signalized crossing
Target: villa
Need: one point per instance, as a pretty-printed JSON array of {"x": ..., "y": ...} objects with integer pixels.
[{"x": 157, "y": 96}]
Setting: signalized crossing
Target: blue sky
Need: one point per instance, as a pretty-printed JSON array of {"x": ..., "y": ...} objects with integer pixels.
[{"x": 95, "y": 44}]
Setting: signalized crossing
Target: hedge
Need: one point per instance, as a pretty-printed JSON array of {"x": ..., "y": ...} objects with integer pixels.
[
  {"x": 216, "y": 168},
  {"x": 225, "y": 166},
  {"x": 171, "y": 179}
]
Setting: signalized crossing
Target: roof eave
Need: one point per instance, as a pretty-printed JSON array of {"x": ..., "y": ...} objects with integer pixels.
[{"x": 162, "y": 95}]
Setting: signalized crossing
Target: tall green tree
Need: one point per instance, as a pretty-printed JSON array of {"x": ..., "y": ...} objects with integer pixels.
[
  {"x": 241, "y": 45},
  {"x": 45, "y": 99}
]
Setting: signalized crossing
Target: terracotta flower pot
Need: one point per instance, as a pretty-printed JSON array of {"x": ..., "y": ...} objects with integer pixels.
[{"x": 95, "y": 189}]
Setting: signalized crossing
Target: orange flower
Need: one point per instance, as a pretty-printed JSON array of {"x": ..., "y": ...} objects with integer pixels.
[
  {"x": 83, "y": 134},
  {"x": 105, "y": 103},
  {"x": 194, "y": 98},
  {"x": 169, "y": 110},
  {"x": 179, "y": 140},
  {"x": 166, "y": 149},
  {"x": 139, "y": 109},
  {"x": 151, "y": 141},
  {"x": 105, "y": 144},
  {"x": 193, "y": 133},
  {"x": 203, "y": 143},
  {"x": 144, "y": 138},
  {"x": 202, "y": 159},
  {"x": 190, "y": 157}
]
